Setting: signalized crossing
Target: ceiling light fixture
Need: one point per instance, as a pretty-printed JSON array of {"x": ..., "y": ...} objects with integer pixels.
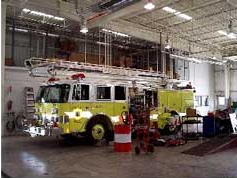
[
  {"x": 184, "y": 16},
  {"x": 26, "y": 31},
  {"x": 191, "y": 59},
  {"x": 196, "y": 60},
  {"x": 115, "y": 33},
  {"x": 84, "y": 29},
  {"x": 177, "y": 13},
  {"x": 168, "y": 9},
  {"x": 229, "y": 35},
  {"x": 232, "y": 35},
  {"x": 42, "y": 14},
  {"x": 167, "y": 47},
  {"x": 222, "y": 32},
  {"x": 149, "y": 5},
  {"x": 19, "y": 30},
  {"x": 231, "y": 58}
]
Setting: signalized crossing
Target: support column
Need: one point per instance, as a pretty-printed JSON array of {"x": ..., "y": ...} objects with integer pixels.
[
  {"x": 227, "y": 82},
  {"x": 3, "y": 19}
]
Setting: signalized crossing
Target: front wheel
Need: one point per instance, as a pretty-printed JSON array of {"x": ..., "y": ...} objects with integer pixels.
[{"x": 97, "y": 130}]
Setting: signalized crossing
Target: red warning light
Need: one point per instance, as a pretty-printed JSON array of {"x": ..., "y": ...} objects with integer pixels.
[
  {"x": 53, "y": 79},
  {"x": 78, "y": 76}
]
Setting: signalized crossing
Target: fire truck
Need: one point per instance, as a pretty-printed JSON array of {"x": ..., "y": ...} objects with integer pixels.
[{"x": 88, "y": 100}]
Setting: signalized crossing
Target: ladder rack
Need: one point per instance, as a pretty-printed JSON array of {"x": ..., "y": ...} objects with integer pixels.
[
  {"x": 40, "y": 67},
  {"x": 30, "y": 102}
]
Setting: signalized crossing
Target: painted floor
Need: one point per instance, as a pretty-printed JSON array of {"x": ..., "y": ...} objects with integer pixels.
[{"x": 51, "y": 157}]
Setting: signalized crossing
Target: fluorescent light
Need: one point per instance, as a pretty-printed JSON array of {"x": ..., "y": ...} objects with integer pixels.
[
  {"x": 42, "y": 14},
  {"x": 149, "y": 6},
  {"x": 232, "y": 58},
  {"x": 19, "y": 30},
  {"x": 167, "y": 47},
  {"x": 59, "y": 18},
  {"x": 26, "y": 10},
  {"x": 53, "y": 35},
  {"x": 232, "y": 35},
  {"x": 115, "y": 33},
  {"x": 184, "y": 16},
  {"x": 49, "y": 34},
  {"x": 84, "y": 30},
  {"x": 168, "y": 9},
  {"x": 102, "y": 43},
  {"x": 191, "y": 59},
  {"x": 177, "y": 13},
  {"x": 222, "y": 32}
]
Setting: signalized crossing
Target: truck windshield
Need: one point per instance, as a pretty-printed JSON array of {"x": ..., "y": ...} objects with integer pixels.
[{"x": 53, "y": 93}]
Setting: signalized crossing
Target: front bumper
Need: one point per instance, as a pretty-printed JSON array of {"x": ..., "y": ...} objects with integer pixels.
[{"x": 41, "y": 131}]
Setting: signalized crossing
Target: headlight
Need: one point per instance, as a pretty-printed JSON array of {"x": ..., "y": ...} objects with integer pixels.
[{"x": 54, "y": 110}]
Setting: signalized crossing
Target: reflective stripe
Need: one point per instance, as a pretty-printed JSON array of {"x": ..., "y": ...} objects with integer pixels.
[{"x": 122, "y": 138}]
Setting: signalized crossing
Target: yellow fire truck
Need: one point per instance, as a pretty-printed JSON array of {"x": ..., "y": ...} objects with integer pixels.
[{"x": 90, "y": 106}]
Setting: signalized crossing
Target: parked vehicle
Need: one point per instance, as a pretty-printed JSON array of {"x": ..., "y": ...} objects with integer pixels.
[{"x": 75, "y": 107}]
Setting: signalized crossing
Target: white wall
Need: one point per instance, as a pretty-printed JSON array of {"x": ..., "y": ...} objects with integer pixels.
[
  {"x": 202, "y": 78},
  {"x": 220, "y": 79},
  {"x": 18, "y": 78}
]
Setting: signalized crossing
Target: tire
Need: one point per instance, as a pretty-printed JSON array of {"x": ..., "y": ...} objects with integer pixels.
[
  {"x": 99, "y": 128},
  {"x": 20, "y": 121},
  {"x": 10, "y": 126}
]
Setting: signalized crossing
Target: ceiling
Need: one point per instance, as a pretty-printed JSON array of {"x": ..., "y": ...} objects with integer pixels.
[{"x": 198, "y": 36}]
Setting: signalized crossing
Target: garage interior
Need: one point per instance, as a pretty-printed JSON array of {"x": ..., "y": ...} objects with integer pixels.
[{"x": 119, "y": 88}]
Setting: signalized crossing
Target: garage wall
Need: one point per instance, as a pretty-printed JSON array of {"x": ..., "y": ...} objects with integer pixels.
[
  {"x": 17, "y": 78},
  {"x": 220, "y": 79},
  {"x": 202, "y": 78}
]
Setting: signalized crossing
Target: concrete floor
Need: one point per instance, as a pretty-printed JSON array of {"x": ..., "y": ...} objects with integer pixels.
[{"x": 50, "y": 157}]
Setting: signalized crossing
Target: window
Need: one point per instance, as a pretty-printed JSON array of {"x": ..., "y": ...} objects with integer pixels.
[
  {"x": 119, "y": 93},
  {"x": 103, "y": 93},
  {"x": 151, "y": 98},
  {"x": 53, "y": 93},
  {"x": 221, "y": 100},
  {"x": 201, "y": 101},
  {"x": 85, "y": 90},
  {"x": 81, "y": 92}
]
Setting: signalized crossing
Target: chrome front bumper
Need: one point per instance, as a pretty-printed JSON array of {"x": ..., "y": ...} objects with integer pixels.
[{"x": 41, "y": 131}]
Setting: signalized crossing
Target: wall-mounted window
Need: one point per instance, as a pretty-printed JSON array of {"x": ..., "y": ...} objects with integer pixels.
[
  {"x": 103, "y": 93},
  {"x": 120, "y": 93},
  {"x": 221, "y": 101},
  {"x": 81, "y": 92},
  {"x": 201, "y": 101}
]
